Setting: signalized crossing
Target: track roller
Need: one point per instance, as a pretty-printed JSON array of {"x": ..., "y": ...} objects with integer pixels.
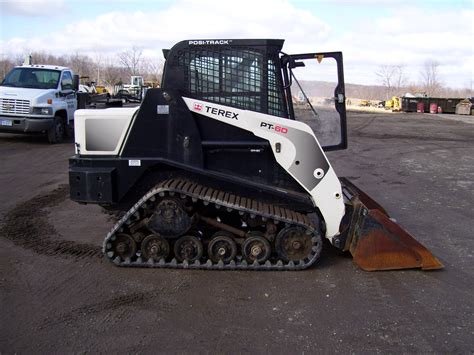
[
  {"x": 188, "y": 248},
  {"x": 256, "y": 248},
  {"x": 222, "y": 247},
  {"x": 155, "y": 247}
]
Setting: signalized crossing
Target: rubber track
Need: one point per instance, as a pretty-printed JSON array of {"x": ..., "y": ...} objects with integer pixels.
[{"x": 221, "y": 199}]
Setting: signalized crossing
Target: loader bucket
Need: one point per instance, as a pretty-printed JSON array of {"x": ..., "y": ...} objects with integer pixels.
[{"x": 375, "y": 241}]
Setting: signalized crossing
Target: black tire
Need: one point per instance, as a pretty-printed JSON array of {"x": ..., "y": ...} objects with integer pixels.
[
  {"x": 57, "y": 131},
  {"x": 69, "y": 131}
]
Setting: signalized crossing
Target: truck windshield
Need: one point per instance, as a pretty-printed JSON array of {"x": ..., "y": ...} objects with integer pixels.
[{"x": 34, "y": 78}]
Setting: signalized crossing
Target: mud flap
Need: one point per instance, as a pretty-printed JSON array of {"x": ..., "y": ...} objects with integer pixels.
[{"x": 375, "y": 241}]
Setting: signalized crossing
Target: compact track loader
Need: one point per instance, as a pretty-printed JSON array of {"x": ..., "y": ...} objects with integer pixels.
[{"x": 224, "y": 168}]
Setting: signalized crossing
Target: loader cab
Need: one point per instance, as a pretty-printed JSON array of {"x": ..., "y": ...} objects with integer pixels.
[
  {"x": 256, "y": 75},
  {"x": 244, "y": 74}
]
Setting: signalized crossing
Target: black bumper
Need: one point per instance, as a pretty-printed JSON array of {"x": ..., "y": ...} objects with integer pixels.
[
  {"x": 92, "y": 185},
  {"x": 102, "y": 179},
  {"x": 25, "y": 124}
]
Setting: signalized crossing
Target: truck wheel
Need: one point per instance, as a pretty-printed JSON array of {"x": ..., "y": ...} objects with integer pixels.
[
  {"x": 69, "y": 130},
  {"x": 57, "y": 130}
]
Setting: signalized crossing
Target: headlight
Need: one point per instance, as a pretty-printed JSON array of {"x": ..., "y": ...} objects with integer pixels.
[{"x": 42, "y": 111}]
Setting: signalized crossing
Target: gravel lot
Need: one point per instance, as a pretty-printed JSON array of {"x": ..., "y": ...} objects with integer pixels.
[{"x": 59, "y": 296}]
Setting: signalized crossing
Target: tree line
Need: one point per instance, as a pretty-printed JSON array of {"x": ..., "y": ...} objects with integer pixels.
[
  {"x": 394, "y": 81},
  {"x": 103, "y": 70},
  {"x": 112, "y": 70}
]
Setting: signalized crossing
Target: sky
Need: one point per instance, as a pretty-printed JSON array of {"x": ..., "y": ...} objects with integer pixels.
[{"x": 370, "y": 33}]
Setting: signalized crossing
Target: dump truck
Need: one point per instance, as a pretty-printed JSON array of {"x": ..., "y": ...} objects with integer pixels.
[{"x": 217, "y": 169}]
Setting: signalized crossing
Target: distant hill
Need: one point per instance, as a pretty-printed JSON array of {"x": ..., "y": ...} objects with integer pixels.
[
  {"x": 368, "y": 92},
  {"x": 326, "y": 89}
]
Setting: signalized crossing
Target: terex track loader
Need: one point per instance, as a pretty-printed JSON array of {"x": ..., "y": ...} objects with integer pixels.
[{"x": 217, "y": 170}]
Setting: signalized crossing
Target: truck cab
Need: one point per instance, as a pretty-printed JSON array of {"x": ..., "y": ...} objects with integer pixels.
[
  {"x": 38, "y": 99},
  {"x": 136, "y": 89},
  {"x": 136, "y": 81}
]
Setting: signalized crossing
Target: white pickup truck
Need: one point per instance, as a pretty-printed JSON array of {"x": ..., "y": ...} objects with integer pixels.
[{"x": 38, "y": 98}]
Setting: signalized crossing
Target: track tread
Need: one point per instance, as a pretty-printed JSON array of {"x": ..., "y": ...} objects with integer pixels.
[{"x": 186, "y": 188}]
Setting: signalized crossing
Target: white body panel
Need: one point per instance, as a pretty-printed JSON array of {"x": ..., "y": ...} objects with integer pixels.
[
  {"x": 99, "y": 129},
  {"x": 94, "y": 128},
  {"x": 327, "y": 195}
]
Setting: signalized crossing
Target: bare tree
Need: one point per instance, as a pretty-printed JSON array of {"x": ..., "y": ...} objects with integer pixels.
[
  {"x": 113, "y": 74},
  {"x": 430, "y": 78},
  {"x": 385, "y": 73},
  {"x": 414, "y": 88},
  {"x": 392, "y": 77},
  {"x": 132, "y": 60},
  {"x": 400, "y": 79},
  {"x": 154, "y": 70},
  {"x": 6, "y": 64},
  {"x": 98, "y": 61},
  {"x": 48, "y": 58},
  {"x": 81, "y": 64}
]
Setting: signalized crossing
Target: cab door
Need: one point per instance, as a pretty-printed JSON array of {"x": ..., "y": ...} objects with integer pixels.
[
  {"x": 315, "y": 84},
  {"x": 68, "y": 94}
]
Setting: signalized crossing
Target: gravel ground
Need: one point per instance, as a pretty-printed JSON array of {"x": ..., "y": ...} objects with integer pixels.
[{"x": 58, "y": 295}]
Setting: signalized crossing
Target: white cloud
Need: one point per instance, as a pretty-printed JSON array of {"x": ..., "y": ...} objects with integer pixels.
[
  {"x": 116, "y": 31},
  {"x": 410, "y": 36},
  {"x": 407, "y": 35},
  {"x": 33, "y": 8}
]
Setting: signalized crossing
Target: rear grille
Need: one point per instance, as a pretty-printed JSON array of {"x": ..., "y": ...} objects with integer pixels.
[{"x": 14, "y": 106}]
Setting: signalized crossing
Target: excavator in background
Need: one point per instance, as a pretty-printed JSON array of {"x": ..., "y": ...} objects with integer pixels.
[
  {"x": 217, "y": 169},
  {"x": 394, "y": 104}
]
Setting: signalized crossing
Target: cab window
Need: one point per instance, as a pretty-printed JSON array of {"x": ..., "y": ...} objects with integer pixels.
[
  {"x": 242, "y": 78},
  {"x": 66, "y": 82},
  {"x": 33, "y": 78}
]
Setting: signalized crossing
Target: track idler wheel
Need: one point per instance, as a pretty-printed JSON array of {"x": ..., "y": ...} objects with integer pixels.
[
  {"x": 222, "y": 247},
  {"x": 293, "y": 244},
  {"x": 256, "y": 248},
  {"x": 188, "y": 248},
  {"x": 123, "y": 246},
  {"x": 155, "y": 247}
]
